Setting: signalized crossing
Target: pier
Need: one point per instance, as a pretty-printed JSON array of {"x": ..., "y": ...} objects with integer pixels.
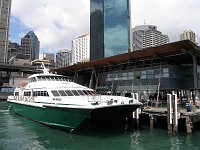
[
  {"x": 3, "y": 96},
  {"x": 189, "y": 118}
]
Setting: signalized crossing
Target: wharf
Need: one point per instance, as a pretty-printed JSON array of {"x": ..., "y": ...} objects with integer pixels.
[
  {"x": 4, "y": 95},
  {"x": 190, "y": 117}
]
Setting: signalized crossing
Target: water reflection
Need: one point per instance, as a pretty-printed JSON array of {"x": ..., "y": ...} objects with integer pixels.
[
  {"x": 135, "y": 141},
  {"x": 175, "y": 142},
  {"x": 188, "y": 140}
]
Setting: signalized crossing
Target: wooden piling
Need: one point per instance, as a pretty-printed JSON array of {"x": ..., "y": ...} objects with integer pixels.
[
  {"x": 189, "y": 125},
  {"x": 151, "y": 121}
]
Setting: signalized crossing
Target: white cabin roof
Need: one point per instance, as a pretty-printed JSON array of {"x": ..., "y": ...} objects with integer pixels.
[{"x": 35, "y": 75}]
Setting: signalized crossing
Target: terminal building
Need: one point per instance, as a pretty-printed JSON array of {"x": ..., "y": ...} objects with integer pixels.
[{"x": 152, "y": 72}]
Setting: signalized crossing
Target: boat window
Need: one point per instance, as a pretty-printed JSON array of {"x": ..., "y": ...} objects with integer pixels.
[
  {"x": 69, "y": 93},
  {"x": 55, "y": 93},
  {"x": 51, "y": 78},
  {"x": 27, "y": 93},
  {"x": 33, "y": 79},
  {"x": 80, "y": 92},
  {"x": 93, "y": 92},
  {"x": 46, "y": 93},
  {"x": 75, "y": 92},
  {"x": 90, "y": 92},
  {"x": 16, "y": 93},
  {"x": 48, "y": 78},
  {"x": 57, "y": 79},
  {"x": 86, "y": 93},
  {"x": 40, "y": 93},
  {"x": 39, "y": 78},
  {"x": 62, "y": 93}
]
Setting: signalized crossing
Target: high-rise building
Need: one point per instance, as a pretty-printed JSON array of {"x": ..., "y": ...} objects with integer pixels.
[
  {"x": 145, "y": 36},
  {"x": 63, "y": 58},
  {"x": 30, "y": 45},
  {"x": 110, "y": 28},
  {"x": 50, "y": 57},
  {"x": 5, "y": 7},
  {"x": 188, "y": 34},
  {"x": 81, "y": 49}
]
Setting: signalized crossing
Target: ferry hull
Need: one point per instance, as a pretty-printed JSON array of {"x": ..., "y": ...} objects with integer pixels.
[
  {"x": 115, "y": 116},
  {"x": 63, "y": 118}
]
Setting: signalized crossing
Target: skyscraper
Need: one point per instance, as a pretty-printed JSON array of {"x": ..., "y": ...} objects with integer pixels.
[
  {"x": 5, "y": 6},
  {"x": 145, "y": 36},
  {"x": 81, "y": 48},
  {"x": 63, "y": 58},
  {"x": 109, "y": 28},
  {"x": 30, "y": 45},
  {"x": 188, "y": 34},
  {"x": 50, "y": 57}
]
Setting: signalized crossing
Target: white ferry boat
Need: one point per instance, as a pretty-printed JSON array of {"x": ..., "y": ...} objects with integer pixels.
[{"x": 54, "y": 100}]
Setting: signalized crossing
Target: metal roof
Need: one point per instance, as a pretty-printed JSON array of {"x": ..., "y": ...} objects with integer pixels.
[{"x": 167, "y": 50}]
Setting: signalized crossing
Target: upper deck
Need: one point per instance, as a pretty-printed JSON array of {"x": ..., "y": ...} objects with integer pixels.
[{"x": 48, "y": 77}]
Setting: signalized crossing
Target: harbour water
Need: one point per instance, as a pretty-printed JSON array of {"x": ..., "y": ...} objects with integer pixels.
[{"x": 18, "y": 133}]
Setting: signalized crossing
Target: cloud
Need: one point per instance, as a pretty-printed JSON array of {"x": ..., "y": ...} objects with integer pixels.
[{"x": 55, "y": 22}]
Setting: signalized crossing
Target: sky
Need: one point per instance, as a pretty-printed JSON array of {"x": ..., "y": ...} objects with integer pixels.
[{"x": 57, "y": 22}]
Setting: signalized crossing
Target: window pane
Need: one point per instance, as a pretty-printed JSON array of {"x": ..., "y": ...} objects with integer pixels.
[
  {"x": 86, "y": 92},
  {"x": 75, "y": 92},
  {"x": 62, "y": 93},
  {"x": 81, "y": 92},
  {"x": 69, "y": 93},
  {"x": 55, "y": 93}
]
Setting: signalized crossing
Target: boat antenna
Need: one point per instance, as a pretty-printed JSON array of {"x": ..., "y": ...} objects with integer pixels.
[{"x": 45, "y": 70}]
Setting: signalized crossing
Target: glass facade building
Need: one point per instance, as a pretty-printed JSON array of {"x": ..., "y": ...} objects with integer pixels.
[
  {"x": 145, "y": 80},
  {"x": 30, "y": 45},
  {"x": 109, "y": 28}
]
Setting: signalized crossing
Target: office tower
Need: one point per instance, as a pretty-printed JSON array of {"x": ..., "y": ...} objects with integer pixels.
[
  {"x": 145, "y": 36},
  {"x": 5, "y": 7},
  {"x": 81, "y": 49},
  {"x": 30, "y": 45},
  {"x": 63, "y": 58},
  {"x": 188, "y": 34},
  {"x": 50, "y": 57},
  {"x": 110, "y": 22}
]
